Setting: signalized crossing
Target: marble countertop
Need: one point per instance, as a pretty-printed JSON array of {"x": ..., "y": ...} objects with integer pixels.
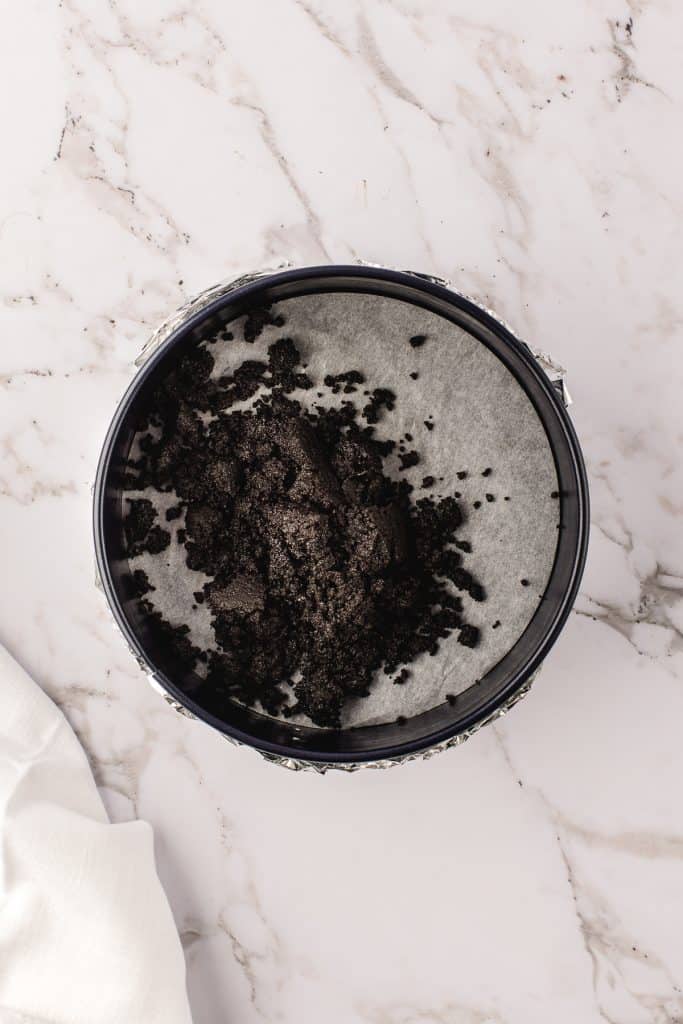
[{"x": 531, "y": 153}]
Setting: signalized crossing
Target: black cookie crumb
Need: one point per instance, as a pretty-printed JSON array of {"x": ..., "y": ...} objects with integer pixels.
[
  {"x": 468, "y": 636},
  {"x": 137, "y": 584},
  {"x": 379, "y": 398},
  {"x": 418, "y": 340},
  {"x": 347, "y": 381},
  {"x": 322, "y": 569},
  {"x": 408, "y": 459},
  {"x": 257, "y": 320},
  {"x": 141, "y": 534}
]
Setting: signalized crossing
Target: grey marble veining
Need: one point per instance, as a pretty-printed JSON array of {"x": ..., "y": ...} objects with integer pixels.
[{"x": 529, "y": 153}]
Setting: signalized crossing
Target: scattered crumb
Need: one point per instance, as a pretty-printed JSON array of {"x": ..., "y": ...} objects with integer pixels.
[{"x": 407, "y": 460}]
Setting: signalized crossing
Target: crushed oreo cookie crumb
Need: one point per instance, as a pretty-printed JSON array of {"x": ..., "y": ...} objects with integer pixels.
[
  {"x": 257, "y": 319},
  {"x": 379, "y": 398},
  {"x": 137, "y": 584},
  {"x": 322, "y": 569},
  {"x": 142, "y": 534},
  {"x": 347, "y": 381},
  {"x": 468, "y": 636},
  {"x": 408, "y": 459}
]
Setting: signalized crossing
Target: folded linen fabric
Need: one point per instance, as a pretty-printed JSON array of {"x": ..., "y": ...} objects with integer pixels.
[{"x": 86, "y": 933}]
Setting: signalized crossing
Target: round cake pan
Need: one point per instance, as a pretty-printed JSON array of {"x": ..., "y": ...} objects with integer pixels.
[{"x": 449, "y": 722}]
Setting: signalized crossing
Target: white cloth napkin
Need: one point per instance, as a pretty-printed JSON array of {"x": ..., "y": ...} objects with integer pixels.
[{"x": 86, "y": 934}]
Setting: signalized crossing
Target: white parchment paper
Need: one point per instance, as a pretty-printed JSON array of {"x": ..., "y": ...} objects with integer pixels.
[{"x": 482, "y": 418}]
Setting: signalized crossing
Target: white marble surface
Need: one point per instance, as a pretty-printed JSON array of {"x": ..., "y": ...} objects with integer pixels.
[{"x": 532, "y": 153}]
